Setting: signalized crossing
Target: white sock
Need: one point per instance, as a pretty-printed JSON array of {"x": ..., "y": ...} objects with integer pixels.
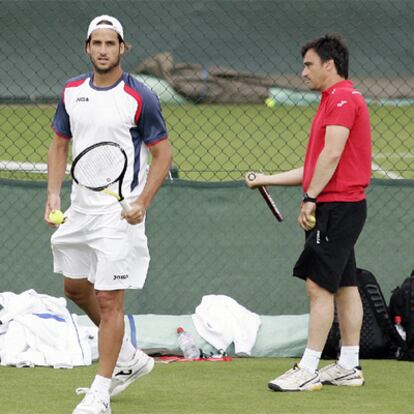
[
  {"x": 127, "y": 351},
  {"x": 349, "y": 357},
  {"x": 310, "y": 360},
  {"x": 101, "y": 384}
]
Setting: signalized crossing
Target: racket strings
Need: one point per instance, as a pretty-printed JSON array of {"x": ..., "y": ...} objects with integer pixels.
[{"x": 100, "y": 167}]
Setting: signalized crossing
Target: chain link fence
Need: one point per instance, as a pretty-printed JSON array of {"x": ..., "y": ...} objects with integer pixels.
[{"x": 228, "y": 77}]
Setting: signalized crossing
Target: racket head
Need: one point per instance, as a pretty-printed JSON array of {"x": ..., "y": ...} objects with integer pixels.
[{"x": 100, "y": 165}]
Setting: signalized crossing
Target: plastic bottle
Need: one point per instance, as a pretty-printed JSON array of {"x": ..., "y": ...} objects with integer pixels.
[
  {"x": 187, "y": 344},
  {"x": 400, "y": 329}
]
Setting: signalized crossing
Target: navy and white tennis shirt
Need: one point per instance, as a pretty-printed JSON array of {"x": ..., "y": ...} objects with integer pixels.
[{"x": 127, "y": 113}]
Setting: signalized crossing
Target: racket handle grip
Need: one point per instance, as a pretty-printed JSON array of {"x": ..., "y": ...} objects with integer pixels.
[{"x": 125, "y": 205}]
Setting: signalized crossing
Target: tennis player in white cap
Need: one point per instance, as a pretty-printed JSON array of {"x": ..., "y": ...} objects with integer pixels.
[{"x": 101, "y": 250}]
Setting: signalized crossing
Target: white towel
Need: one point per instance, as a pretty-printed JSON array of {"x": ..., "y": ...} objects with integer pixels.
[
  {"x": 220, "y": 320},
  {"x": 38, "y": 329}
]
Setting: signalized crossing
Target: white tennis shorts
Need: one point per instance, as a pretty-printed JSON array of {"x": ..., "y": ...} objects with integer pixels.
[{"x": 111, "y": 253}]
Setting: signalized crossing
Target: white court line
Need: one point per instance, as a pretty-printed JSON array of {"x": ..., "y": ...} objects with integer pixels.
[
  {"x": 394, "y": 155},
  {"x": 385, "y": 173},
  {"x": 41, "y": 168},
  {"x": 29, "y": 167}
]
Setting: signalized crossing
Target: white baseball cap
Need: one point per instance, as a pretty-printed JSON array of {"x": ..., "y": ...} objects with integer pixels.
[{"x": 110, "y": 23}]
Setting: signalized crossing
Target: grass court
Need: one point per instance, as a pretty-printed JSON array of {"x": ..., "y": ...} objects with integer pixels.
[
  {"x": 236, "y": 387},
  {"x": 221, "y": 142}
]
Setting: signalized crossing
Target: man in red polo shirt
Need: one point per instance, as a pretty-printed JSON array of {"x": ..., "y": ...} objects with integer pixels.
[{"x": 334, "y": 177}]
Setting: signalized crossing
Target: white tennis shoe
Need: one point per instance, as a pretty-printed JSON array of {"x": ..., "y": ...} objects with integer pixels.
[
  {"x": 125, "y": 375},
  {"x": 94, "y": 402},
  {"x": 296, "y": 379},
  {"x": 335, "y": 374}
]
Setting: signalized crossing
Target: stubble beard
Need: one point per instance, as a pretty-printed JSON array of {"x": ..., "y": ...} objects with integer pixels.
[{"x": 109, "y": 69}]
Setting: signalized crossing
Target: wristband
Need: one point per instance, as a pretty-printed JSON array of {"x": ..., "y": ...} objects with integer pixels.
[{"x": 307, "y": 199}]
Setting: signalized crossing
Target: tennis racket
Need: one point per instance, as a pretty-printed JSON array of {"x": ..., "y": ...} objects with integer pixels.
[
  {"x": 269, "y": 200},
  {"x": 100, "y": 166}
]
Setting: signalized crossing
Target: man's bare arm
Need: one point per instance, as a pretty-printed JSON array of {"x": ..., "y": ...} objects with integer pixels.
[
  {"x": 286, "y": 178},
  {"x": 160, "y": 164},
  {"x": 56, "y": 167},
  {"x": 335, "y": 140}
]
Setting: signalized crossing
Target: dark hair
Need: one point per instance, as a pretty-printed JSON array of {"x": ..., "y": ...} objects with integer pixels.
[{"x": 330, "y": 46}]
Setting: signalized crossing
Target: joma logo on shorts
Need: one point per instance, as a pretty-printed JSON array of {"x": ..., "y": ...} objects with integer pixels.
[{"x": 120, "y": 277}]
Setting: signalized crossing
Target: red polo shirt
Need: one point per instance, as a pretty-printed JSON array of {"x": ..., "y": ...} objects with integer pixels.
[{"x": 342, "y": 105}]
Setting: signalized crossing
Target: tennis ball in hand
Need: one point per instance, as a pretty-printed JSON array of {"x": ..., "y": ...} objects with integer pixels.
[
  {"x": 270, "y": 102},
  {"x": 56, "y": 217},
  {"x": 312, "y": 222}
]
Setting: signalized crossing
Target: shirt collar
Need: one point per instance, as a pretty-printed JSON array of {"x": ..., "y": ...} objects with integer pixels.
[{"x": 341, "y": 84}]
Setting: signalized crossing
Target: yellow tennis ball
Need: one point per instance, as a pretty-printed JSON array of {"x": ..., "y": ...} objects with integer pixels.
[
  {"x": 56, "y": 217},
  {"x": 312, "y": 222},
  {"x": 270, "y": 102}
]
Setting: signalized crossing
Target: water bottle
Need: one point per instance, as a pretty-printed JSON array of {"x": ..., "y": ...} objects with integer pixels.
[
  {"x": 400, "y": 329},
  {"x": 187, "y": 344}
]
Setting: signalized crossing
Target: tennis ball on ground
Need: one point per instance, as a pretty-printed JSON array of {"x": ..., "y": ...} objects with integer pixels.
[
  {"x": 56, "y": 217},
  {"x": 312, "y": 222},
  {"x": 270, "y": 102}
]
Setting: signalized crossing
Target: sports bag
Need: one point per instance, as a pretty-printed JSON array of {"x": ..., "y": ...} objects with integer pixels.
[
  {"x": 402, "y": 305},
  {"x": 379, "y": 338}
]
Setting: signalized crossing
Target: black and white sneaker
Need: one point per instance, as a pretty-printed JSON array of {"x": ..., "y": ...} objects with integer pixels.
[
  {"x": 335, "y": 374},
  {"x": 296, "y": 379},
  {"x": 125, "y": 375}
]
